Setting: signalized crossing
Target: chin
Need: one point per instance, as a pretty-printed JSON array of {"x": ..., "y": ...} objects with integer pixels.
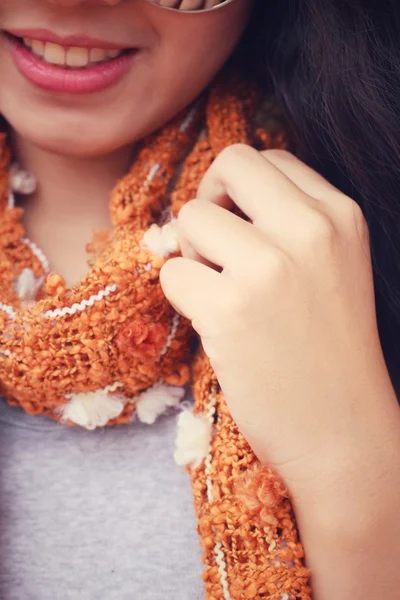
[
  {"x": 76, "y": 147},
  {"x": 89, "y": 130},
  {"x": 79, "y": 140},
  {"x": 85, "y": 133}
]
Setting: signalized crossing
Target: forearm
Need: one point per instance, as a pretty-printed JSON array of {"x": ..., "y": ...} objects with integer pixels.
[{"x": 351, "y": 529}]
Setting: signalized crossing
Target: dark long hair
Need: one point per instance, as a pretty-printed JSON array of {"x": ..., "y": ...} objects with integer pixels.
[{"x": 335, "y": 67}]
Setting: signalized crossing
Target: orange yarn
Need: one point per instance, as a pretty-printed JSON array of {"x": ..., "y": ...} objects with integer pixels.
[
  {"x": 114, "y": 338},
  {"x": 249, "y": 516}
]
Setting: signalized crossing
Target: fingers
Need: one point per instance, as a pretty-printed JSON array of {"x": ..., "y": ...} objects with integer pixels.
[
  {"x": 221, "y": 238},
  {"x": 196, "y": 291},
  {"x": 242, "y": 176},
  {"x": 306, "y": 179},
  {"x": 328, "y": 200},
  {"x": 282, "y": 196},
  {"x": 188, "y": 251}
]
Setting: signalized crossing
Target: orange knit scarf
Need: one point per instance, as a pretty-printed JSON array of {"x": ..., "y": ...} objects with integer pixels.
[{"x": 112, "y": 348}]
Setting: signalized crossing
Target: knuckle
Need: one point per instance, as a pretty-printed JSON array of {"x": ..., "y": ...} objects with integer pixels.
[
  {"x": 320, "y": 231},
  {"x": 166, "y": 270},
  {"x": 170, "y": 268},
  {"x": 270, "y": 266},
  {"x": 357, "y": 220},
  {"x": 232, "y": 153},
  {"x": 188, "y": 212},
  {"x": 234, "y": 303}
]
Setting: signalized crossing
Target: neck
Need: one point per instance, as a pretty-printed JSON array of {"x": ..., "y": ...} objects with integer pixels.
[
  {"x": 72, "y": 188},
  {"x": 72, "y": 200}
]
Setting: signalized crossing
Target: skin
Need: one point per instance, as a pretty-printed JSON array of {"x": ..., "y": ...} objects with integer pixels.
[
  {"x": 285, "y": 309},
  {"x": 57, "y": 136}
]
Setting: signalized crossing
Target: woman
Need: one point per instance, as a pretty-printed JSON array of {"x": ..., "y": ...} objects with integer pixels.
[{"x": 273, "y": 302}]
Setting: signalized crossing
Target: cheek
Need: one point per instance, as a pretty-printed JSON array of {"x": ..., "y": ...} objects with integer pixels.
[
  {"x": 186, "y": 59},
  {"x": 198, "y": 49}
]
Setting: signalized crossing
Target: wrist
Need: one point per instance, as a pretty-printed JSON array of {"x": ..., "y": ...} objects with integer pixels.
[
  {"x": 352, "y": 527},
  {"x": 361, "y": 457}
]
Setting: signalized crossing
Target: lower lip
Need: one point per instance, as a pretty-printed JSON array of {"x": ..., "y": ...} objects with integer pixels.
[{"x": 72, "y": 81}]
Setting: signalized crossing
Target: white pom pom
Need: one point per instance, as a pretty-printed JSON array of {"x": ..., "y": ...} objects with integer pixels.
[
  {"x": 152, "y": 403},
  {"x": 193, "y": 439},
  {"x": 27, "y": 285},
  {"x": 92, "y": 409},
  {"x": 162, "y": 241},
  {"x": 21, "y": 181}
]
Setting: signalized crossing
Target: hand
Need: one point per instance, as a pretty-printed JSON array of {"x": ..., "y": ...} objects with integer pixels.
[{"x": 285, "y": 309}]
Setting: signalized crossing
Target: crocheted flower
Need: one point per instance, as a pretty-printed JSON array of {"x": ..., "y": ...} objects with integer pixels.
[
  {"x": 138, "y": 337},
  {"x": 261, "y": 492}
]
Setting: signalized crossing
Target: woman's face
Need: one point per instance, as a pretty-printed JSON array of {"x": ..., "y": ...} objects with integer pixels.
[{"x": 95, "y": 107}]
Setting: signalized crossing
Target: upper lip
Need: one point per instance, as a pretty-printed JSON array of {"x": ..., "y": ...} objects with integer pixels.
[{"x": 82, "y": 41}]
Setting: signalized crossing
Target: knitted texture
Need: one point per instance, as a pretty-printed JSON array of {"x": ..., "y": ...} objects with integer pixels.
[{"x": 112, "y": 349}]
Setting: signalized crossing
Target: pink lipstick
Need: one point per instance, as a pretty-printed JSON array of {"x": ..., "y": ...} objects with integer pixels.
[{"x": 75, "y": 64}]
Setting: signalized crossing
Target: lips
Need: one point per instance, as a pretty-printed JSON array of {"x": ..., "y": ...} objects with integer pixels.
[{"x": 76, "y": 64}]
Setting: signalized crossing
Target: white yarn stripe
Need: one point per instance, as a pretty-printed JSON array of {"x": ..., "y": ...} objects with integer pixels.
[
  {"x": 8, "y": 310},
  {"x": 174, "y": 328},
  {"x": 11, "y": 199},
  {"x": 218, "y": 551},
  {"x": 113, "y": 387},
  {"x": 219, "y": 556},
  {"x": 153, "y": 172},
  {"x": 40, "y": 255},
  {"x": 189, "y": 118},
  {"x": 72, "y": 310}
]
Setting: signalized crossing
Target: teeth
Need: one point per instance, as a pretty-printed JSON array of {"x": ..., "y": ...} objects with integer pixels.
[
  {"x": 71, "y": 57},
  {"x": 54, "y": 54},
  {"x": 38, "y": 47},
  {"x": 77, "y": 57},
  {"x": 97, "y": 54}
]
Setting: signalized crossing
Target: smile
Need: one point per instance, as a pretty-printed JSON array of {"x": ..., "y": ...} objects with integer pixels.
[{"x": 72, "y": 65}]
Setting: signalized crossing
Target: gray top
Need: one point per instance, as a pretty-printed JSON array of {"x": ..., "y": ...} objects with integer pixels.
[{"x": 103, "y": 515}]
